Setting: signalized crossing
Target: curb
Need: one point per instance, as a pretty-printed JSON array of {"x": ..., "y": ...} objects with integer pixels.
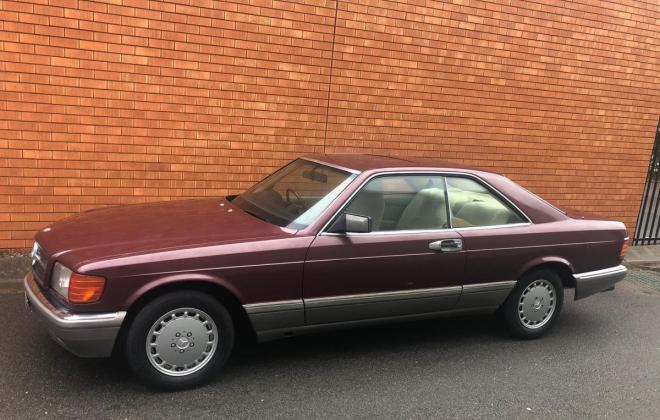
[{"x": 642, "y": 261}]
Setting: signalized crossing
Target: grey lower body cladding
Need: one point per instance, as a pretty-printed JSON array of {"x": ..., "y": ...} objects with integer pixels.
[{"x": 272, "y": 320}]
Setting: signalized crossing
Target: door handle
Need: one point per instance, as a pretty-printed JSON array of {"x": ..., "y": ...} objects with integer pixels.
[{"x": 447, "y": 245}]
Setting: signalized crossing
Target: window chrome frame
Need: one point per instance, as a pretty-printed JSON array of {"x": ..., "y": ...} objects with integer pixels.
[
  {"x": 332, "y": 165},
  {"x": 445, "y": 174}
]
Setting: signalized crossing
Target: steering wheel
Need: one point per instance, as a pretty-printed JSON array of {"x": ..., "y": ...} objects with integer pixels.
[{"x": 299, "y": 202}]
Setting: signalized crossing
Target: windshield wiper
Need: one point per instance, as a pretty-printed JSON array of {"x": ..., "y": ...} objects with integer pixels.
[{"x": 251, "y": 213}]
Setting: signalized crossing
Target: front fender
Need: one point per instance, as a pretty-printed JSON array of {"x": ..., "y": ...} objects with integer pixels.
[{"x": 182, "y": 279}]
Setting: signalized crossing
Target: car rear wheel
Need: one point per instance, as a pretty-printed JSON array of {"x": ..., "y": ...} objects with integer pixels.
[
  {"x": 534, "y": 304},
  {"x": 179, "y": 340}
]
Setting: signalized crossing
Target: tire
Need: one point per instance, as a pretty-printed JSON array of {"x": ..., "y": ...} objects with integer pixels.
[
  {"x": 534, "y": 304},
  {"x": 165, "y": 331}
]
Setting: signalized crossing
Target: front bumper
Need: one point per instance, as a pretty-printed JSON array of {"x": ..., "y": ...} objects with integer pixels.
[
  {"x": 592, "y": 282},
  {"x": 85, "y": 335}
]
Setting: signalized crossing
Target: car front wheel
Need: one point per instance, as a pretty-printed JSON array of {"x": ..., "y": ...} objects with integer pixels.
[
  {"x": 534, "y": 304},
  {"x": 179, "y": 340}
]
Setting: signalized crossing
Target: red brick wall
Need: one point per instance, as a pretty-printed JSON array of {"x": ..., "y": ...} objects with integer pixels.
[{"x": 126, "y": 101}]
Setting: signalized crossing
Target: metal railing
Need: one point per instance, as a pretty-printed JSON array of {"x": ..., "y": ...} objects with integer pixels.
[{"x": 647, "y": 230}]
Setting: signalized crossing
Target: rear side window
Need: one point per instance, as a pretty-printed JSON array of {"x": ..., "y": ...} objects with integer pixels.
[{"x": 473, "y": 205}]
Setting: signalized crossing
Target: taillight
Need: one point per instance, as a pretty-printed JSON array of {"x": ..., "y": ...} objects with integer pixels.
[
  {"x": 625, "y": 247},
  {"x": 85, "y": 289}
]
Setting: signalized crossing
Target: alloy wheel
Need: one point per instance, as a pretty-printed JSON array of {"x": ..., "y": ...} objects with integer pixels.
[
  {"x": 182, "y": 341},
  {"x": 537, "y": 304}
]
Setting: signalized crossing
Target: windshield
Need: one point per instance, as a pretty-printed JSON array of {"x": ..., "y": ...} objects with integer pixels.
[{"x": 295, "y": 195}]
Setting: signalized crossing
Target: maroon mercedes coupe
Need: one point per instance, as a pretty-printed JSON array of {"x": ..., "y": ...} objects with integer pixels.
[{"x": 327, "y": 241}]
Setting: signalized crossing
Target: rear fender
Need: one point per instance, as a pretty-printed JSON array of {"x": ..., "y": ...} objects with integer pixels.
[{"x": 547, "y": 260}]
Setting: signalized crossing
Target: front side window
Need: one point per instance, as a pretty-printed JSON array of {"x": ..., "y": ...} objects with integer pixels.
[
  {"x": 403, "y": 202},
  {"x": 295, "y": 195},
  {"x": 473, "y": 205}
]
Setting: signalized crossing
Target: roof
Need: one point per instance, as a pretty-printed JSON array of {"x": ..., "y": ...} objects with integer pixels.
[
  {"x": 535, "y": 208},
  {"x": 367, "y": 162}
]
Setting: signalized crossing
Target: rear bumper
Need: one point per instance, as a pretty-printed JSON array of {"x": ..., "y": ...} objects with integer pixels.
[
  {"x": 592, "y": 282},
  {"x": 85, "y": 335}
]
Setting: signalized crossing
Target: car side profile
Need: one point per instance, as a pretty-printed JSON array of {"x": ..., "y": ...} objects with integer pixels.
[{"x": 328, "y": 241}]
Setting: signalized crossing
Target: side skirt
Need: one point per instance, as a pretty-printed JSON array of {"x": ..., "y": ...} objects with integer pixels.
[
  {"x": 270, "y": 335},
  {"x": 273, "y": 320}
]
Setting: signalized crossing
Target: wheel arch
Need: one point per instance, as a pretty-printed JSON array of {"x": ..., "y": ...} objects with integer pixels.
[
  {"x": 557, "y": 264},
  {"x": 212, "y": 286}
]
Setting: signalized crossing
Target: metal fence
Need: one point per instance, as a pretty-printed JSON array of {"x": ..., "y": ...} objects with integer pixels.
[{"x": 647, "y": 231}]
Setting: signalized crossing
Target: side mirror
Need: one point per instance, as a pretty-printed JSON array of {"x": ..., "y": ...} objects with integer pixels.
[{"x": 351, "y": 223}]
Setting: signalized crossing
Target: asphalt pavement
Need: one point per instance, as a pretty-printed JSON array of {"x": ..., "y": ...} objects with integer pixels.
[{"x": 601, "y": 360}]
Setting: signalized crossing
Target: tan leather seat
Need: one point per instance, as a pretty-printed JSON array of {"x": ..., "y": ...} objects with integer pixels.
[
  {"x": 427, "y": 210},
  {"x": 483, "y": 213}
]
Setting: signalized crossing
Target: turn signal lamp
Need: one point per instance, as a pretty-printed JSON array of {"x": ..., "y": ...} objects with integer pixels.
[{"x": 76, "y": 288}]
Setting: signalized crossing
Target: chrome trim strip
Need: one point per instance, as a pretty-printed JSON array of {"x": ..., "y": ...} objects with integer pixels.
[
  {"x": 388, "y": 232},
  {"x": 381, "y": 296},
  {"x": 485, "y": 294},
  {"x": 294, "y": 304},
  {"x": 320, "y": 162},
  {"x": 487, "y": 287},
  {"x": 493, "y": 226},
  {"x": 372, "y": 257},
  {"x": 450, "y": 213},
  {"x": 230, "y": 267},
  {"x": 416, "y": 231},
  {"x": 606, "y": 272},
  {"x": 266, "y": 316},
  {"x": 277, "y": 306},
  {"x": 431, "y": 172},
  {"x": 541, "y": 246}
]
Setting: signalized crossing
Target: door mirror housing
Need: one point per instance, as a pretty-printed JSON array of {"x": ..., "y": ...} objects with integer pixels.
[{"x": 351, "y": 223}]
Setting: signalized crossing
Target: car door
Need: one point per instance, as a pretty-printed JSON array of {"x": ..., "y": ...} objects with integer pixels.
[
  {"x": 492, "y": 229},
  {"x": 411, "y": 262}
]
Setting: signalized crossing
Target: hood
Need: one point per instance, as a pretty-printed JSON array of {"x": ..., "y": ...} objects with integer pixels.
[{"x": 114, "y": 231}]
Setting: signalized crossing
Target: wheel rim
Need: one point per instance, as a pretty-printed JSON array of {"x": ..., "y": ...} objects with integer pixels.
[
  {"x": 537, "y": 304},
  {"x": 182, "y": 341}
]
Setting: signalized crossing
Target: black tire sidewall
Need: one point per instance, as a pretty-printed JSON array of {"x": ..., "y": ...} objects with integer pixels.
[
  {"x": 136, "y": 336},
  {"x": 514, "y": 324}
]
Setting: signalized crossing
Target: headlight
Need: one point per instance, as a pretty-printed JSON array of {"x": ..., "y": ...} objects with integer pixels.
[
  {"x": 76, "y": 288},
  {"x": 60, "y": 279},
  {"x": 35, "y": 248}
]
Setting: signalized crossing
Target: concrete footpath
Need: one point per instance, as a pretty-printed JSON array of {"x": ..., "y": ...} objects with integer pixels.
[
  {"x": 643, "y": 255},
  {"x": 643, "y": 263}
]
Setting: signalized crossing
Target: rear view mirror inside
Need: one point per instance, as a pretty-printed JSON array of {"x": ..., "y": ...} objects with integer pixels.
[{"x": 315, "y": 176}]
